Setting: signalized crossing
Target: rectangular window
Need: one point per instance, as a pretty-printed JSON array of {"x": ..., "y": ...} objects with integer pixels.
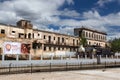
[
  {"x": 54, "y": 38},
  {"x": 58, "y": 40},
  {"x": 33, "y": 35},
  {"x": 62, "y": 48},
  {"x": 25, "y": 36},
  {"x": 13, "y": 31},
  {"x": 49, "y": 39},
  {"x": 44, "y": 48},
  {"x": 73, "y": 41},
  {"x": 63, "y": 40},
  {"x": 58, "y": 48},
  {"x": 49, "y": 48},
  {"x": 2, "y": 31},
  {"x": 44, "y": 36},
  {"x": 21, "y": 35},
  {"x": 54, "y": 48}
]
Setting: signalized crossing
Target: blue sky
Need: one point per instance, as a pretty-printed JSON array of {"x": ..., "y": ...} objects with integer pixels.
[{"x": 64, "y": 15}]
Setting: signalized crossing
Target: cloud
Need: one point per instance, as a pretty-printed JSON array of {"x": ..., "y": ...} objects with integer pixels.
[
  {"x": 43, "y": 13},
  {"x": 91, "y": 14},
  {"x": 32, "y": 9},
  {"x": 69, "y": 13},
  {"x": 102, "y": 3}
]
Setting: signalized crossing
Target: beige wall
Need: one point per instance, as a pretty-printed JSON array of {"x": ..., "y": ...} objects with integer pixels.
[
  {"x": 39, "y": 36},
  {"x": 94, "y": 38}
]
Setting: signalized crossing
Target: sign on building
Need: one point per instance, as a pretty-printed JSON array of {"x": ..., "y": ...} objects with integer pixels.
[
  {"x": 25, "y": 48},
  {"x": 12, "y": 48}
]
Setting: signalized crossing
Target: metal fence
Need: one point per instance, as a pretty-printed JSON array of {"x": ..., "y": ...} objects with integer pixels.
[{"x": 31, "y": 68}]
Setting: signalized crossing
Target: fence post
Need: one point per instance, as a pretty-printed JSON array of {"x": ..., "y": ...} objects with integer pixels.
[
  {"x": 10, "y": 67},
  {"x": 31, "y": 68},
  {"x": 17, "y": 57},
  {"x": 3, "y": 57},
  {"x": 93, "y": 65},
  {"x": 115, "y": 63},
  {"x": 81, "y": 65},
  {"x": 105, "y": 64},
  {"x": 66, "y": 65},
  {"x": 50, "y": 67}
]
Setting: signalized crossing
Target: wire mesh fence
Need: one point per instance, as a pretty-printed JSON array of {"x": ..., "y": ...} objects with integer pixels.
[{"x": 32, "y": 68}]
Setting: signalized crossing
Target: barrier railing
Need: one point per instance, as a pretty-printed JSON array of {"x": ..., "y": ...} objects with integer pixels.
[{"x": 32, "y": 68}]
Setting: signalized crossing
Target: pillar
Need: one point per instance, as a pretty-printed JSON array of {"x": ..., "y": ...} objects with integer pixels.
[
  {"x": 17, "y": 57},
  {"x": 41, "y": 57},
  {"x": 85, "y": 56},
  {"x": 3, "y": 57},
  {"x": 78, "y": 57},
  {"x": 30, "y": 57}
]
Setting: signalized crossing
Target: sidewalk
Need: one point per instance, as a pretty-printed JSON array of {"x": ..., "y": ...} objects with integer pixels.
[{"x": 107, "y": 74}]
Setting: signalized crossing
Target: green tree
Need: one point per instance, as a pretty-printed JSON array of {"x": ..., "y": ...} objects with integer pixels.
[
  {"x": 83, "y": 40},
  {"x": 115, "y": 45}
]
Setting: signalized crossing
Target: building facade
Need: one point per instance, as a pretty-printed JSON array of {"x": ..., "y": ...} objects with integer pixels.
[
  {"x": 93, "y": 37},
  {"x": 39, "y": 41}
]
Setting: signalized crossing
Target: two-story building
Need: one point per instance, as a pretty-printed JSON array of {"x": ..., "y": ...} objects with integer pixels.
[
  {"x": 39, "y": 41},
  {"x": 93, "y": 37}
]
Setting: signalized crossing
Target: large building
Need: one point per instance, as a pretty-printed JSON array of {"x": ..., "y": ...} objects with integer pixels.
[
  {"x": 93, "y": 37},
  {"x": 37, "y": 41}
]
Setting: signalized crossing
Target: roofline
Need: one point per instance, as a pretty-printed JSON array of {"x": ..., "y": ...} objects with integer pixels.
[
  {"x": 39, "y": 30},
  {"x": 55, "y": 33},
  {"x": 83, "y": 28}
]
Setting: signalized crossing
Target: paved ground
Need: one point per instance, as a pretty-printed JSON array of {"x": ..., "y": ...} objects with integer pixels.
[{"x": 108, "y": 74}]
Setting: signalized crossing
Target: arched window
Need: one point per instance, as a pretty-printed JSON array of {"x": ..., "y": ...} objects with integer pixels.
[{"x": 29, "y": 35}]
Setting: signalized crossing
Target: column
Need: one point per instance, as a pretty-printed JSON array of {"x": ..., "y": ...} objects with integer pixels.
[
  {"x": 78, "y": 57},
  {"x": 30, "y": 57},
  {"x": 51, "y": 57},
  {"x": 17, "y": 57},
  {"x": 85, "y": 56},
  {"x": 61, "y": 57},
  {"x": 92, "y": 56},
  {"x": 106, "y": 56},
  {"x": 70, "y": 57},
  {"x": 41, "y": 57},
  {"x": 3, "y": 57}
]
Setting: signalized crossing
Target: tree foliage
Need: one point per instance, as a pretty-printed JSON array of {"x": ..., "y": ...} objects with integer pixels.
[
  {"x": 83, "y": 41},
  {"x": 115, "y": 45}
]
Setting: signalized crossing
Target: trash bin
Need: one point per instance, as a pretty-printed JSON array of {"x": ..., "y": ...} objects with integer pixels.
[{"x": 98, "y": 59}]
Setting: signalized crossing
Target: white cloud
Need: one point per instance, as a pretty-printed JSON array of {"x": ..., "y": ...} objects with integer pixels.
[
  {"x": 102, "y": 3},
  {"x": 69, "y": 13},
  {"x": 42, "y": 13},
  {"x": 70, "y": 1},
  {"x": 32, "y": 9},
  {"x": 91, "y": 14}
]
